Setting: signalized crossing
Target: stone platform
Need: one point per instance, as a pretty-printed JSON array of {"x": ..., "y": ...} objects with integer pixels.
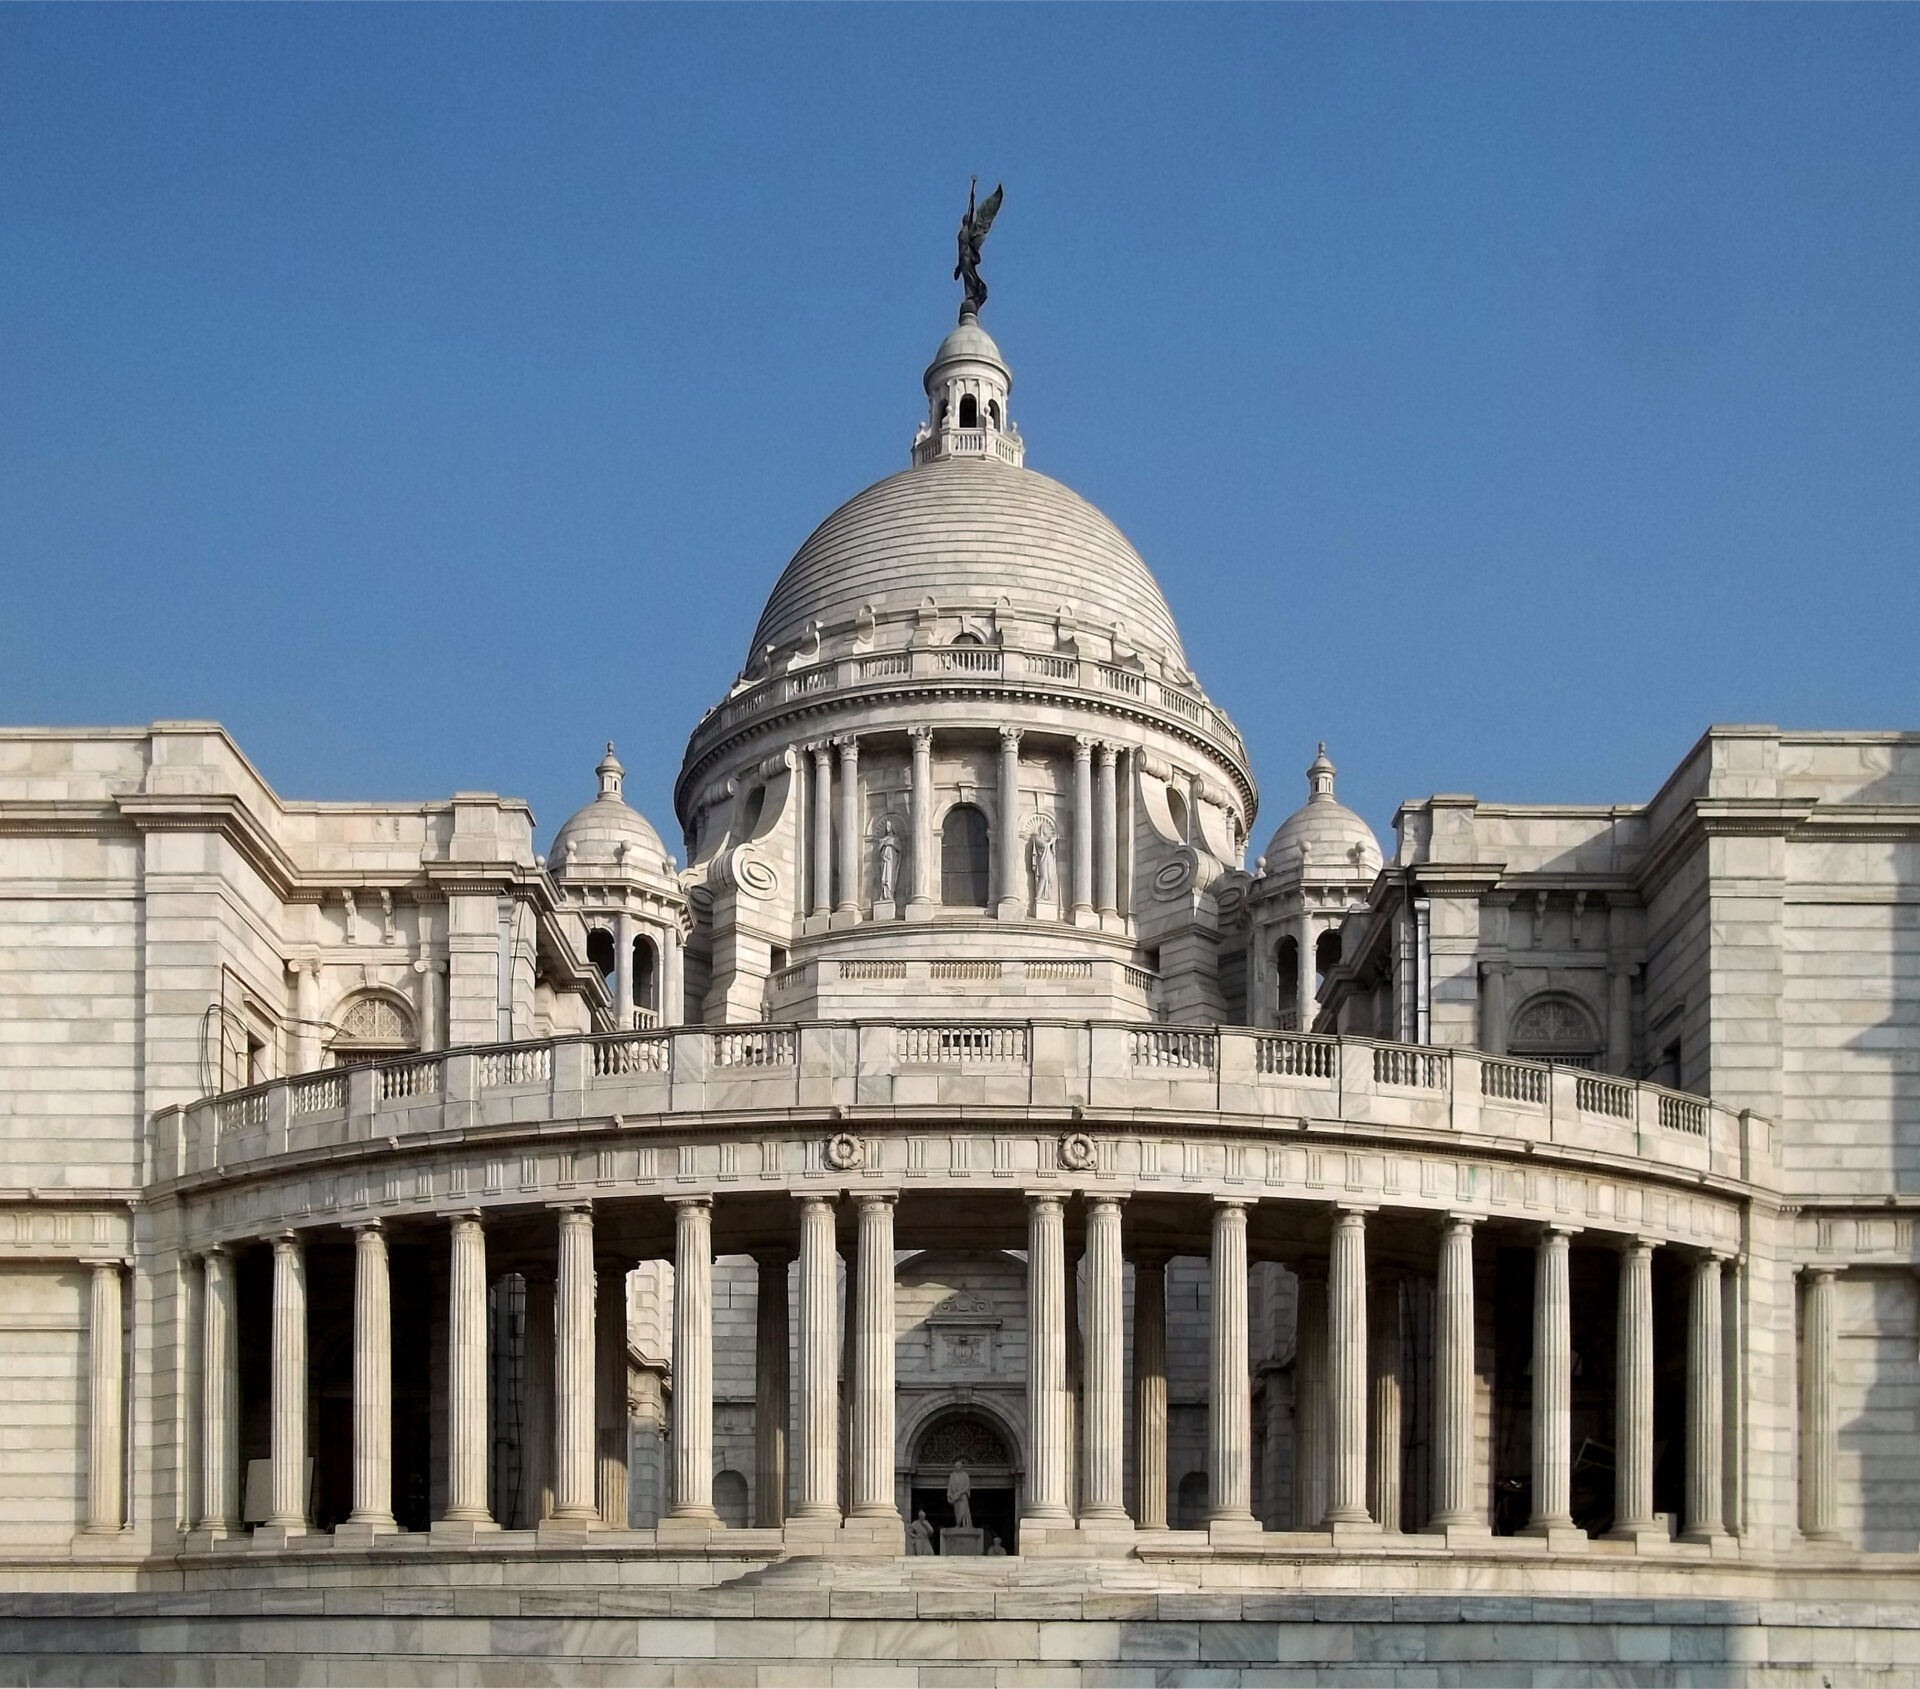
[{"x": 611, "y": 1619}]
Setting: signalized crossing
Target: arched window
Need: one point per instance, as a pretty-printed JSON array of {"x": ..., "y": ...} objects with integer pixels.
[
  {"x": 1555, "y": 1027},
  {"x": 600, "y": 953},
  {"x": 1286, "y": 982},
  {"x": 369, "y": 1026},
  {"x": 751, "y": 811},
  {"x": 1326, "y": 956},
  {"x": 1177, "y": 808},
  {"x": 730, "y": 1497},
  {"x": 646, "y": 975},
  {"x": 1190, "y": 1503},
  {"x": 993, "y": 413},
  {"x": 969, "y": 411},
  {"x": 965, "y": 858}
]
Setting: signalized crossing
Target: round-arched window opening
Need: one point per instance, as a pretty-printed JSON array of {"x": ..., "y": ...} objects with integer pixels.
[
  {"x": 1326, "y": 957},
  {"x": 646, "y": 976},
  {"x": 968, "y": 638},
  {"x": 1177, "y": 808},
  {"x": 965, "y": 858},
  {"x": 751, "y": 811},
  {"x": 969, "y": 411},
  {"x": 1555, "y": 1027},
  {"x": 1286, "y": 976},
  {"x": 600, "y": 953},
  {"x": 993, "y": 413},
  {"x": 370, "y": 1026}
]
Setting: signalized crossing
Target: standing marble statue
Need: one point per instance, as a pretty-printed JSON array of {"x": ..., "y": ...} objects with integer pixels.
[
  {"x": 920, "y": 1535},
  {"x": 1040, "y": 856},
  {"x": 960, "y": 1495},
  {"x": 889, "y": 848}
]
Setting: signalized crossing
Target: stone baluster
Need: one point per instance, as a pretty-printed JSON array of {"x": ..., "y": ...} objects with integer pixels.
[
  {"x": 1453, "y": 1404},
  {"x": 467, "y": 1442},
  {"x": 287, "y": 1506},
  {"x": 822, "y": 830},
  {"x": 372, "y": 1381},
  {"x": 540, "y": 1428},
  {"x": 1552, "y": 1386},
  {"x": 819, "y": 1450},
  {"x": 772, "y": 1394},
  {"x": 1347, "y": 1370},
  {"x": 848, "y": 906},
  {"x": 574, "y": 1501},
  {"x": 106, "y": 1415},
  {"x": 1386, "y": 1355},
  {"x": 611, "y": 1492},
  {"x": 1633, "y": 1392},
  {"x": 220, "y": 1401},
  {"x": 1819, "y": 1442},
  {"x": 1047, "y": 1359},
  {"x": 1104, "y": 1410},
  {"x": 1706, "y": 1404},
  {"x": 692, "y": 1357},
  {"x": 1013, "y": 870},
  {"x": 1150, "y": 1392},
  {"x": 924, "y": 881},
  {"x": 1082, "y": 831},
  {"x": 871, "y": 1491},
  {"x": 1230, "y": 1396},
  {"x": 1107, "y": 842},
  {"x": 1311, "y": 1494}
]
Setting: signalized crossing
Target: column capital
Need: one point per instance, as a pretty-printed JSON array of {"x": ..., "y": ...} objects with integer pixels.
[
  {"x": 702, "y": 1199},
  {"x": 462, "y": 1216},
  {"x": 286, "y": 1243},
  {"x": 1454, "y": 1220},
  {"x": 1559, "y": 1228},
  {"x": 1816, "y": 1273},
  {"x": 821, "y": 750},
  {"x": 1721, "y": 1258},
  {"x": 1083, "y": 744},
  {"x": 1636, "y": 1243},
  {"x": 572, "y": 1205},
  {"x": 875, "y": 1199},
  {"x": 1353, "y": 1213},
  {"x": 375, "y": 1224},
  {"x": 1009, "y": 739},
  {"x": 920, "y": 735},
  {"x": 1043, "y": 1199},
  {"x": 1109, "y": 754},
  {"x": 827, "y": 1199},
  {"x": 847, "y": 744},
  {"x": 216, "y": 1252},
  {"x": 1106, "y": 1199},
  {"x": 1242, "y": 1203}
]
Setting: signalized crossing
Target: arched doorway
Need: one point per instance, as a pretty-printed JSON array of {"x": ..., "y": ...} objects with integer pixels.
[{"x": 966, "y": 1434}]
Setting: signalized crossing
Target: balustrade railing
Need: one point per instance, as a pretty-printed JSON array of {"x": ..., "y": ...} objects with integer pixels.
[
  {"x": 1052, "y": 668},
  {"x": 1608, "y": 1097},
  {"x": 969, "y": 659},
  {"x": 1058, "y": 970},
  {"x": 317, "y": 1096},
  {"x": 967, "y": 1043},
  {"x": 527, "y": 1065},
  {"x": 1171, "y": 1047},
  {"x": 1410, "y": 1065},
  {"x": 1683, "y": 1114},
  {"x": 964, "y": 970},
  {"x": 237, "y": 1113},
  {"x": 810, "y": 680},
  {"x": 1513, "y": 1082},
  {"x": 890, "y": 665},
  {"x": 874, "y": 969},
  {"x": 765, "y": 1046},
  {"x": 413, "y": 1079},
  {"x": 616, "y": 1056},
  {"x": 1293, "y": 1057},
  {"x": 1124, "y": 681},
  {"x": 644, "y": 1019}
]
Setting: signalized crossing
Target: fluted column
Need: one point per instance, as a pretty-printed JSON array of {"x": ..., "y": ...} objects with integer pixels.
[
  {"x": 822, "y": 830},
  {"x": 220, "y": 1398},
  {"x": 819, "y": 1451},
  {"x": 467, "y": 1447},
  {"x": 1347, "y": 1370},
  {"x": 1104, "y": 1410},
  {"x": 574, "y": 1501},
  {"x": 106, "y": 1420},
  {"x": 1819, "y": 1443},
  {"x": 1013, "y": 871},
  {"x": 539, "y": 1428},
  {"x": 872, "y": 1441},
  {"x": 1311, "y": 1493},
  {"x": 923, "y": 879},
  {"x": 372, "y": 1380},
  {"x": 610, "y": 1394},
  {"x": 1552, "y": 1385},
  {"x": 1047, "y": 1359},
  {"x": 1633, "y": 1391},
  {"x": 1107, "y": 839},
  {"x": 692, "y": 1357},
  {"x": 1150, "y": 1392},
  {"x": 287, "y": 1509},
  {"x": 1706, "y": 1404},
  {"x": 1082, "y": 831},
  {"x": 1386, "y": 1357},
  {"x": 772, "y": 1397},
  {"x": 1453, "y": 1406},
  {"x": 1230, "y": 1397},
  {"x": 850, "y": 840}
]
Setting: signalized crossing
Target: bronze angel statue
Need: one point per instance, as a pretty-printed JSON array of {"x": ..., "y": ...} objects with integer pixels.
[{"x": 973, "y": 235}]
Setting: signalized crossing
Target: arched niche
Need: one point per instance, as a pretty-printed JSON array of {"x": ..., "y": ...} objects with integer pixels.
[
  {"x": 371, "y": 1024},
  {"x": 1555, "y": 1026}
]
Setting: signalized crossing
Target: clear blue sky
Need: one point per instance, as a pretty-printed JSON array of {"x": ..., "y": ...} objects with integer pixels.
[{"x": 431, "y": 394}]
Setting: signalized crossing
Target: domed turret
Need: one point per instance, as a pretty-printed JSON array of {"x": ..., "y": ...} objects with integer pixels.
[
  {"x": 609, "y": 838},
  {"x": 1323, "y": 834}
]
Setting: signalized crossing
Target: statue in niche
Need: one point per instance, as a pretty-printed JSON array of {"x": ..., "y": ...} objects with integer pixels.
[
  {"x": 973, "y": 235},
  {"x": 960, "y": 1495},
  {"x": 1040, "y": 854},
  {"x": 996, "y": 1546},
  {"x": 920, "y": 1535},
  {"x": 889, "y": 849}
]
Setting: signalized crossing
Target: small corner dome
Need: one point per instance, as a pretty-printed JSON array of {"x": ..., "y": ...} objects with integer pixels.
[
  {"x": 1338, "y": 843},
  {"x": 609, "y": 836},
  {"x": 968, "y": 342}
]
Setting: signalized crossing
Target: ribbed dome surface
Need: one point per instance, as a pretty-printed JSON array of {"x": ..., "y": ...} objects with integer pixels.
[
  {"x": 961, "y": 530},
  {"x": 1336, "y": 839},
  {"x": 590, "y": 836}
]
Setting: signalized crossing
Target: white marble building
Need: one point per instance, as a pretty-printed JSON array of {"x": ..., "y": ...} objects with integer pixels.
[{"x": 1526, "y": 1209}]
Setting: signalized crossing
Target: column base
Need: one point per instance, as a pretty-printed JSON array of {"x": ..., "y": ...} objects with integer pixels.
[
  {"x": 1560, "y": 1538},
  {"x": 1010, "y": 909},
  {"x": 842, "y": 919},
  {"x": 1643, "y": 1537},
  {"x": 1236, "y": 1530},
  {"x": 567, "y": 1527},
  {"x": 204, "y": 1539},
  {"x": 1354, "y": 1533},
  {"x": 815, "y": 924},
  {"x": 1053, "y": 1536},
  {"x": 920, "y": 909},
  {"x": 688, "y": 1530},
  {"x": 462, "y": 1531},
  {"x": 363, "y": 1533},
  {"x": 277, "y": 1536},
  {"x": 1470, "y": 1535}
]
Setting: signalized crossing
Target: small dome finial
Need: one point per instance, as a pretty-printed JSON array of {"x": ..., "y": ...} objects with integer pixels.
[
  {"x": 610, "y": 771},
  {"x": 1320, "y": 775}
]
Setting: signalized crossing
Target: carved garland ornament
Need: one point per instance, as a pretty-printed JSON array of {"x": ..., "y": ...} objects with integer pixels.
[{"x": 845, "y": 1152}]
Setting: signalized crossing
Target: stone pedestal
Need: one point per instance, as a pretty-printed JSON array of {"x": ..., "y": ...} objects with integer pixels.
[{"x": 963, "y": 1539}]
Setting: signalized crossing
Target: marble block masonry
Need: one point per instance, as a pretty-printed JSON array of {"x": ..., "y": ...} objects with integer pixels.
[{"x": 1520, "y": 1217}]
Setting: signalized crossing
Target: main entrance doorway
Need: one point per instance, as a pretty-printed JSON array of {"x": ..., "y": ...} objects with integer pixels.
[{"x": 975, "y": 1439}]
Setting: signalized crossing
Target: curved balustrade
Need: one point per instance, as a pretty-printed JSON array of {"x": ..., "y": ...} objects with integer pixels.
[{"x": 1238, "y": 1078}]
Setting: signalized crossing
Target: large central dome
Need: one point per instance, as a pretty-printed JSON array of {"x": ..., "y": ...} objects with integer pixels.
[{"x": 967, "y": 532}]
